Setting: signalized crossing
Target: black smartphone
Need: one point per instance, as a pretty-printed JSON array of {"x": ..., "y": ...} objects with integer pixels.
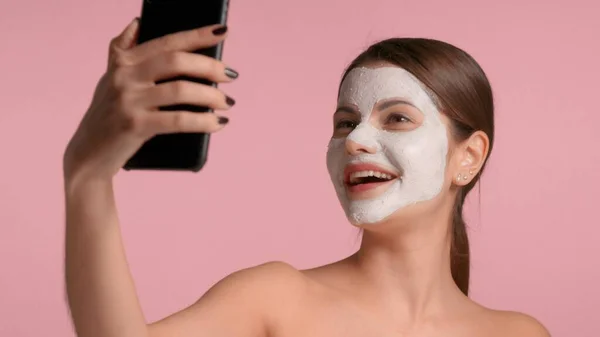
[{"x": 178, "y": 151}]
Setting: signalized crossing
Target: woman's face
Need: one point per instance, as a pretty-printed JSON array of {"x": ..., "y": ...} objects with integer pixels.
[{"x": 390, "y": 144}]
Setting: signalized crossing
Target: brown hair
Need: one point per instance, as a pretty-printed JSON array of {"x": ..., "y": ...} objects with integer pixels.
[{"x": 463, "y": 93}]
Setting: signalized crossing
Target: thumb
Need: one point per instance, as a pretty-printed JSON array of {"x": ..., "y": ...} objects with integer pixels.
[{"x": 128, "y": 36}]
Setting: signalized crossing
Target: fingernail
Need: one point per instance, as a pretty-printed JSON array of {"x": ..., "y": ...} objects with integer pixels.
[
  {"x": 220, "y": 31},
  {"x": 231, "y": 73},
  {"x": 230, "y": 101},
  {"x": 223, "y": 120}
]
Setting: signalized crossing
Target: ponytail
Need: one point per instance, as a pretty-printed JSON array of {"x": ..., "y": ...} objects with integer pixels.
[{"x": 460, "y": 259}]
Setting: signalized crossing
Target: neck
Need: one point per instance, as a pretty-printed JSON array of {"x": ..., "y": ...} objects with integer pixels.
[{"x": 407, "y": 267}]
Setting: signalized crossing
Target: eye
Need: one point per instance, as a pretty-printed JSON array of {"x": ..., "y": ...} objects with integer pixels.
[
  {"x": 345, "y": 124},
  {"x": 397, "y": 118}
]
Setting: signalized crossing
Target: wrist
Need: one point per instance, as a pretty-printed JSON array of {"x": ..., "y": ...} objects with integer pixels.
[
  {"x": 90, "y": 203},
  {"x": 79, "y": 186}
]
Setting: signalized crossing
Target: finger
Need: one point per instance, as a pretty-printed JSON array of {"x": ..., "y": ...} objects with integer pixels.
[
  {"x": 128, "y": 36},
  {"x": 189, "y": 40},
  {"x": 171, "y": 65},
  {"x": 184, "y": 122},
  {"x": 124, "y": 41},
  {"x": 185, "y": 92}
]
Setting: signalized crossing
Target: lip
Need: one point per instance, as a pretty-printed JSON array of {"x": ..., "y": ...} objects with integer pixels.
[{"x": 351, "y": 168}]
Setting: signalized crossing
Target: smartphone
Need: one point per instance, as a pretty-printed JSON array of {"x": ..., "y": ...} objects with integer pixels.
[{"x": 178, "y": 151}]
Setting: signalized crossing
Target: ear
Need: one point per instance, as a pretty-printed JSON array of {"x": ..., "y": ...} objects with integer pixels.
[{"x": 469, "y": 157}]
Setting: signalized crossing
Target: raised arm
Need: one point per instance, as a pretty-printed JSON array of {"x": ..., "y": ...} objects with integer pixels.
[{"x": 123, "y": 114}]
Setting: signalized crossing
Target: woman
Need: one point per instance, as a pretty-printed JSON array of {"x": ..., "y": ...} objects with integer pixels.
[{"x": 412, "y": 132}]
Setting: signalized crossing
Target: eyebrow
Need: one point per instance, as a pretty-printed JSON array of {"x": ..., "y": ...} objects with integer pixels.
[
  {"x": 382, "y": 106},
  {"x": 393, "y": 102},
  {"x": 345, "y": 109}
]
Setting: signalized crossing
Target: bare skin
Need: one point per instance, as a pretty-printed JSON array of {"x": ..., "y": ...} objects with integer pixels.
[{"x": 398, "y": 283}]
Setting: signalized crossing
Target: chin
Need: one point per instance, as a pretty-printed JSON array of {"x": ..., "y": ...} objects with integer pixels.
[
  {"x": 368, "y": 219},
  {"x": 396, "y": 217}
]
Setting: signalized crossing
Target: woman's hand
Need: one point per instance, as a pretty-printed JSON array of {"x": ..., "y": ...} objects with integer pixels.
[{"x": 124, "y": 112}]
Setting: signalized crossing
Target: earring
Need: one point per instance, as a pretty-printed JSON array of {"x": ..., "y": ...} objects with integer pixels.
[
  {"x": 458, "y": 177},
  {"x": 465, "y": 177},
  {"x": 471, "y": 172}
]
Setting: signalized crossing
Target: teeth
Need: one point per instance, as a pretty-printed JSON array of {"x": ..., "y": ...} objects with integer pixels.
[{"x": 363, "y": 174}]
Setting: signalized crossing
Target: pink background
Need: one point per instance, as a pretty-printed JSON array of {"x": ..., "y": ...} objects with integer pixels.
[{"x": 265, "y": 193}]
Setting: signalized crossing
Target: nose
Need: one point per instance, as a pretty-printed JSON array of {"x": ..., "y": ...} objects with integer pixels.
[{"x": 353, "y": 148}]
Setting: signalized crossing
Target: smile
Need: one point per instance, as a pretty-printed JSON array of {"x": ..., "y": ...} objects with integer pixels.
[{"x": 364, "y": 177}]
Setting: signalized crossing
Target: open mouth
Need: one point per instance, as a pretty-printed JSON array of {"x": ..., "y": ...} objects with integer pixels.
[
  {"x": 368, "y": 177},
  {"x": 362, "y": 177}
]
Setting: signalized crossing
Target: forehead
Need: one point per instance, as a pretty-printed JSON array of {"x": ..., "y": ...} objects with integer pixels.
[
  {"x": 364, "y": 87},
  {"x": 384, "y": 81}
]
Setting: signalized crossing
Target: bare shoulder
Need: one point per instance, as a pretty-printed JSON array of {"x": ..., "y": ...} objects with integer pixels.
[
  {"x": 518, "y": 324},
  {"x": 269, "y": 280},
  {"x": 251, "y": 297},
  {"x": 271, "y": 271}
]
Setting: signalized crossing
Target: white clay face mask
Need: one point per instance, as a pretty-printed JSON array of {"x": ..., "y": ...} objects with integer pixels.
[{"x": 419, "y": 154}]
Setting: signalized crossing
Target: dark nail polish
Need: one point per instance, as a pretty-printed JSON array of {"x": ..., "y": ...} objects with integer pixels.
[
  {"x": 230, "y": 101},
  {"x": 220, "y": 31},
  {"x": 231, "y": 73},
  {"x": 223, "y": 120}
]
